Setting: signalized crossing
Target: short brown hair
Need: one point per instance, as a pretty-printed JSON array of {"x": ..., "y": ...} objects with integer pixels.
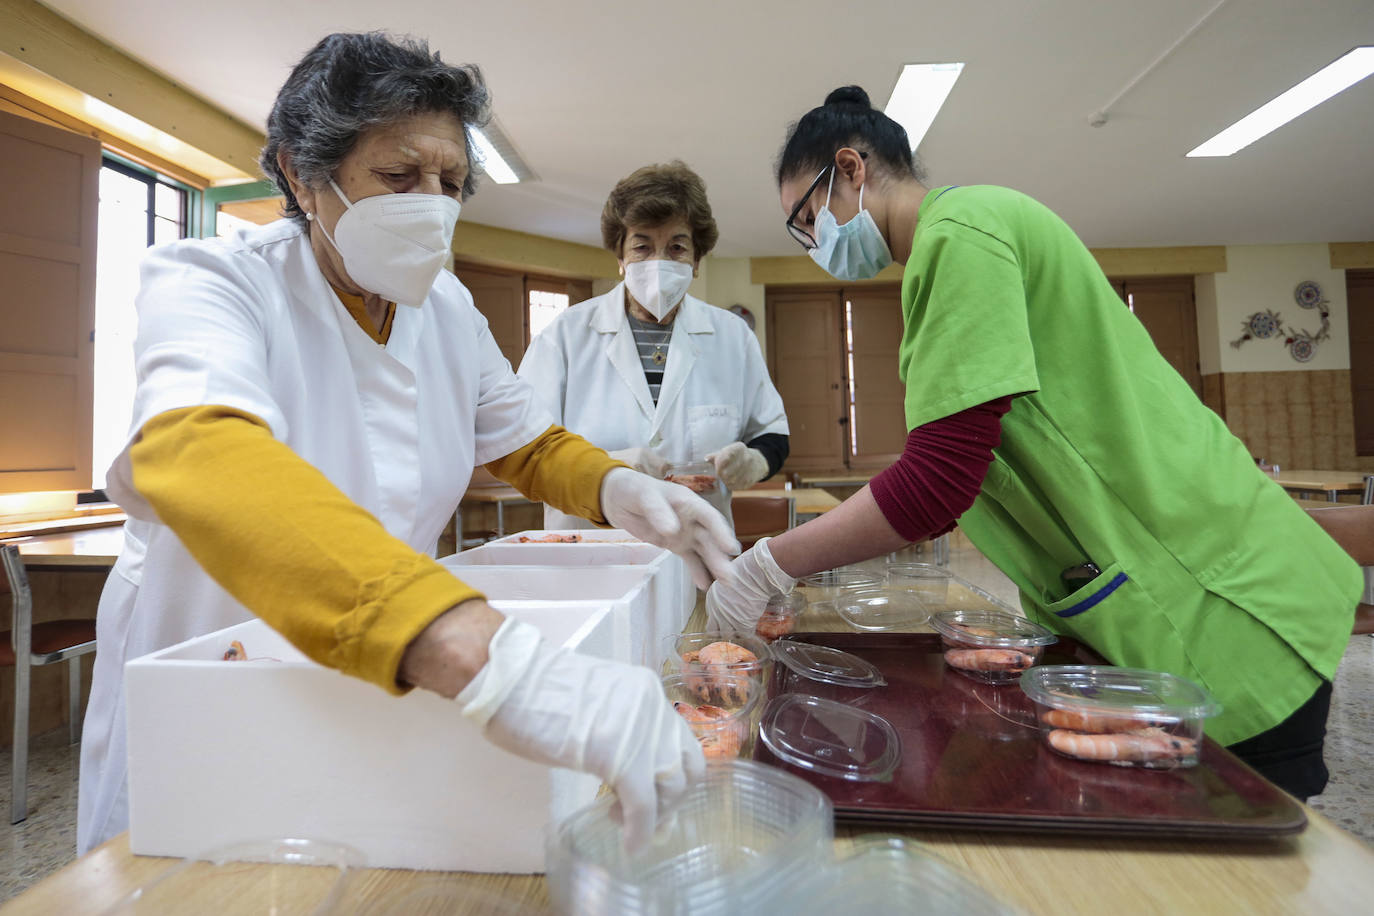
[{"x": 652, "y": 196}]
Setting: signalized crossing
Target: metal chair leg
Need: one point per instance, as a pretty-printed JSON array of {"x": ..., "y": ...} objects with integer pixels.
[
  {"x": 941, "y": 550},
  {"x": 74, "y": 699},
  {"x": 19, "y": 774}
]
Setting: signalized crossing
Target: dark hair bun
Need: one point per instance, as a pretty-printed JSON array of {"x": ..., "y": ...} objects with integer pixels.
[{"x": 849, "y": 95}]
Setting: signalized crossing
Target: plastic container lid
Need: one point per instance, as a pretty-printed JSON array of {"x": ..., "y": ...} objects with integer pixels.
[
  {"x": 827, "y": 665},
  {"x": 841, "y": 579},
  {"x": 880, "y": 609},
  {"x": 1131, "y": 691},
  {"x": 831, "y": 738},
  {"x": 1012, "y": 631}
]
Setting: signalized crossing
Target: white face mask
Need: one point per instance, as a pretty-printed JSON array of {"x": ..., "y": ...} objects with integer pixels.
[
  {"x": 394, "y": 245},
  {"x": 854, "y": 251},
  {"x": 658, "y": 285}
]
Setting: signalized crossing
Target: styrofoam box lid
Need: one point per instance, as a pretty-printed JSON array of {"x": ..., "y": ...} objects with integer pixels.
[{"x": 552, "y": 583}]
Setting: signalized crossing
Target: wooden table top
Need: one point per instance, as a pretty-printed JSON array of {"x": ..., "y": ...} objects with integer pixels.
[
  {"x": 500, "y": 494},
  {"x": 1322, "y": 870},
  {"x": 808, "y": 500},
  {"x": 1301, "y": 479},
  {"x": 820, "y": 479},
  {"x": 88, "y": 547}
]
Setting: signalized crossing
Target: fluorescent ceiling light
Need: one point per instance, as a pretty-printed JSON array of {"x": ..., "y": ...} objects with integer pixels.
[
  {"x": 918, "y": 95},
  {"x": 493, "y": 163},
  {"x": 1311, "y": 92}
]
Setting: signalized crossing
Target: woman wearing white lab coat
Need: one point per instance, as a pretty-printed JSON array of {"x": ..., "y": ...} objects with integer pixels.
[
  {"x": 654, "y": 376},
  {"x": 312, "y": 398}
]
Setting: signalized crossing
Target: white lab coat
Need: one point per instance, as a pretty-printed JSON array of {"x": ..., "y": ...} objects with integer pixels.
[
  {"x": 251, "y": 323},
  {"x": 716, "y": 389}
]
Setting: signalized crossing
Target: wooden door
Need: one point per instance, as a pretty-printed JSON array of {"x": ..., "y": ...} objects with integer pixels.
[
  {"x": 1165, "y": 306},
  {"x": 49, "y": 203},
  {"x": 877, "y": 429},
  {"x": 1359, "y": 289},
  {"x": 805, "y": 355},
  {"x": 500, "y": 297}
]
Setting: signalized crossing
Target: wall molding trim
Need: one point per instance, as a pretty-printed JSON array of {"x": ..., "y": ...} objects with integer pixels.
[{"x": 1351, "y": 255}]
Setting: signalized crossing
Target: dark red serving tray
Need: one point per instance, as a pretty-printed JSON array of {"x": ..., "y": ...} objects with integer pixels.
[{"x": 971, "y": 758}]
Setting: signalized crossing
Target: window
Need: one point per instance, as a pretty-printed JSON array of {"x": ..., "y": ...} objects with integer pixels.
[
  {"x": 544, "y": 306},
  {"x": 137, "y": 209}
]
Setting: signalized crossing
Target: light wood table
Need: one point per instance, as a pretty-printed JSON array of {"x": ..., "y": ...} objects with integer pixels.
[
  {"x": 499, "y": 496},
  {"x": 1322, "y": 870},
  {"x": 835, "y": 480},
  {"x": 92, "y": 548},
  {"x": 1332, "y": 483}
]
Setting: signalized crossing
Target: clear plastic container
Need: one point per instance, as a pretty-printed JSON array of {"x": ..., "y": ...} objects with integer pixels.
[
  {"x": 930, "y": 584},
  {"x": 827, "y": 664},
  {"x": 830, "y": 584},
  {"x": 233, "y": 879},
  {"x": 830, "y": 738},
  {"x": 1123, "y": 716},
  {"x": 891, "y": 876},
  {"x": 991, "y": 646},
  {"x": 723, "y": 733},
  {"x": 714, "y": 678},
  {"x": 734, "y": 844},
  {"x": 882, "y": 609},
  {"x": 780, "y": 616}
]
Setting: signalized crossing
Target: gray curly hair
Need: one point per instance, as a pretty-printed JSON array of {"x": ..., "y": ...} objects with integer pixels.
[{"x": 352, "y": 82}]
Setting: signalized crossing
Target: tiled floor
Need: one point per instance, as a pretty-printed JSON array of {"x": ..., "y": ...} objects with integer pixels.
[{"x": 47, "y": 840}]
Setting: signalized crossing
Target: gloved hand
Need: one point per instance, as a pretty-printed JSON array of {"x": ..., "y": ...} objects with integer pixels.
[
  {"x": 644, "y": 460},
  {"x": 739, "y": 466},
  {"x": 670, "y": 516},
  {"x": 563, "y": 709},
  {"x": 737, "y": 601}
]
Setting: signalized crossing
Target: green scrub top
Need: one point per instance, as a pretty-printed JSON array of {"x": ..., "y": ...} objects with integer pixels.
[{"x": 1209, "y": 569}]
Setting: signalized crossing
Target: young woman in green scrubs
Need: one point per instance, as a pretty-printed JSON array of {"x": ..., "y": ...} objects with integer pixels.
[{"x": 1122, "y": 507}]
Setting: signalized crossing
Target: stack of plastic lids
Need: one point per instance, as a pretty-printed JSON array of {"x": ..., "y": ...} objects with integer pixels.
[
  {"x": 890, "y": 876},
  {"x": 736, "y": 843},
  {"x": 824, "y": 736}
]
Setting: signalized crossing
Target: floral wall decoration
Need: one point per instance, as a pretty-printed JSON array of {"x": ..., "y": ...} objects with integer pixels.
[{"x": 1301, "y": 343}]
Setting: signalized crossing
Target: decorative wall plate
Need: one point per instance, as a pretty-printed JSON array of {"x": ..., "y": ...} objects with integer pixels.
[{"x": 1308, "y": 294}]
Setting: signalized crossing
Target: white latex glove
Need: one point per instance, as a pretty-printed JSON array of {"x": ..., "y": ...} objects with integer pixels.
[
  {"x": 645, "y": 460},
  {"x": 739, "y": 466},
  {"x": 670, "y": 516},
  {"x": 737, "y": 601},
  {"x": 607, "y": 718}
]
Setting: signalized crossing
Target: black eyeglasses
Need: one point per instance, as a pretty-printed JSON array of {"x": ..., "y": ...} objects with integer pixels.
[{"x": 806, "y": 239}]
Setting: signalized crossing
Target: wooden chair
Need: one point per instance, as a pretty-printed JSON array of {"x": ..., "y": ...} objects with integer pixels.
[
  {"x": 28, "y": 644},
  {"x": 761, "y": 516}
]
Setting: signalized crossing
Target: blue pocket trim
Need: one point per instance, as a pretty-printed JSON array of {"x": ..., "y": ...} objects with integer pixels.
[{"x": 1092, "y": 601}]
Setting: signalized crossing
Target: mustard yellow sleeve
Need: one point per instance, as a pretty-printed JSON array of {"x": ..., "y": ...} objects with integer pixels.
[
  {"x": 561, "y": 469},
  {"x": 287, "y": 544}
]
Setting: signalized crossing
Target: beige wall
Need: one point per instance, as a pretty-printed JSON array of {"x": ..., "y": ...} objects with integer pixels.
[{"x": 1260, "y": 277}]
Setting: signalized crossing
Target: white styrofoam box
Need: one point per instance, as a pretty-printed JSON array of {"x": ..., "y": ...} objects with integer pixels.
[
  {"x": 627, "y": 588},
  {"x": 277, "y": 746},
  {"x": 673, "y": 595}
]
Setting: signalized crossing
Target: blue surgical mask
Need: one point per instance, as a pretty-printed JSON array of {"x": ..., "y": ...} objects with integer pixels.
[{"x": 854, "y": 251}]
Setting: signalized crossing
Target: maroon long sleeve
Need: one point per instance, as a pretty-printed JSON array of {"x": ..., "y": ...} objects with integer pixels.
[{"x": 940, "y": 472}]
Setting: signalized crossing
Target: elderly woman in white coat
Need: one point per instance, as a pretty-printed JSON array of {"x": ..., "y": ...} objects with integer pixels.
[
  {"x": 653, "y": 375},
  {"x": 312, "y": 398}
]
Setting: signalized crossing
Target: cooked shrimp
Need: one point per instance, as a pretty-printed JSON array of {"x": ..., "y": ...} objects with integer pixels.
[
  {"x": 718, "y": 673},
  {"x": 1131, "y": 747},
  {"x": 1094, "y": 722},
  {"x": 771, "y": 626},
  {"x": 235, "y": 652},
  {"x": 717, "y": 739},
  {"x": 697, "y": 483},
  {"x": 551, "y": 539},
  {"x": 989, "y": 659}
]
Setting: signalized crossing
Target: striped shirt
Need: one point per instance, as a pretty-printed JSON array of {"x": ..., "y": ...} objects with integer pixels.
[{"x": 651, "y": 339}]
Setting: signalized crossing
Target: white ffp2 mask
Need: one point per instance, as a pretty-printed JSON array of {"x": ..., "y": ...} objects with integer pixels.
[
  {"x": 658, "y": 285},
  {"x": 394, "y": 245}
]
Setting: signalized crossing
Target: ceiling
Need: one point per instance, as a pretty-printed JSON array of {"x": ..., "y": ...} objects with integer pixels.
[{"x": 589, "y": 94}]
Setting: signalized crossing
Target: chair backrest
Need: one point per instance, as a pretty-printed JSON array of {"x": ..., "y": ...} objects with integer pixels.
[
  {"x": 1368, "y": 499},
  {"x": 757, "y": 516}
]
